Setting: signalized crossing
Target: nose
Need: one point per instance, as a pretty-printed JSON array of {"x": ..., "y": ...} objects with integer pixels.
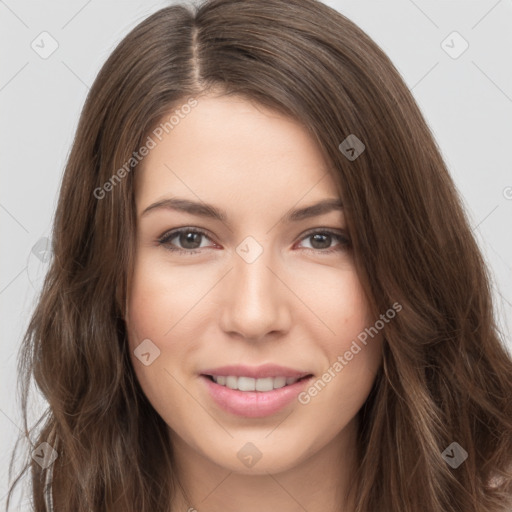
[{"x": 255, "y": 301}]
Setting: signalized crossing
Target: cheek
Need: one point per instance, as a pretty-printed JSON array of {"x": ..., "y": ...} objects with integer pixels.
[
  {"x": 340, "y": 304},
  {"x": 156, "y": 303},
  {"x": 352, "y": 346},
  {"x": 360, "y": 344},
  {"x": 160, "y": 299},
  {"x": 154, "y": 309}
]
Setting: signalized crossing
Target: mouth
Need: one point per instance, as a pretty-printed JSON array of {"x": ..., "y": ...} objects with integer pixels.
[
  {"x": 251, "y": 397},
  {"x": 263, "y": 385}
]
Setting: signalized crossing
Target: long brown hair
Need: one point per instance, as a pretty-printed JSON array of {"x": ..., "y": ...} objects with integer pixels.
[{"x": 446, "y": 375}]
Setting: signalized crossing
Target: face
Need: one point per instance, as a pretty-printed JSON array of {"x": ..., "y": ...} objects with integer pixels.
[{"x": 255, "y": 287}]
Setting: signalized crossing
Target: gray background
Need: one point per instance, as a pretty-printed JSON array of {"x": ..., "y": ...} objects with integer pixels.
[{"x": 466, "y": 99}]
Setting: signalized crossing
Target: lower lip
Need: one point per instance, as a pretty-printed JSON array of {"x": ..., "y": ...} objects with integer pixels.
[{"x": 253, "y": 404}]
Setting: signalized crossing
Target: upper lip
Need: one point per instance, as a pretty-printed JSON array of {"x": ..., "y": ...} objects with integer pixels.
[{"x": 256, "y": 372}]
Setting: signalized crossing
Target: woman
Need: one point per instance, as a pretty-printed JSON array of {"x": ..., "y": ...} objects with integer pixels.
[{"x": 263, "y": 368}]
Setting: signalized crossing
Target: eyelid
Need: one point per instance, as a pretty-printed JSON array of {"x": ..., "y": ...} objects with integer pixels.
[
  {"x": 342, "y": 236},
  {"x": 339, "y": 233},
  {"x": 173, "y": 233}
]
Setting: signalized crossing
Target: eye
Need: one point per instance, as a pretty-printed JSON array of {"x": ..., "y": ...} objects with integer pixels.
[
  {"x": 321, "y": 240},
  {"x": 190, "y": 240},
  {"x": 189, "y": 237}
]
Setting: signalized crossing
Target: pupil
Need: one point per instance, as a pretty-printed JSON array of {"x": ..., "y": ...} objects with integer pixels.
[
  {"x": 318, "y": 237},
  {"x": 187, "y": 238}
]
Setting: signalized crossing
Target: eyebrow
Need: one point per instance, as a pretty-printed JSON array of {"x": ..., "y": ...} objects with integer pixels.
[{"x": 207, "y": 210}]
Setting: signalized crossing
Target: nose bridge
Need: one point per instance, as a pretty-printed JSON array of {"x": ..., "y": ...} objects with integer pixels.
[
  {"x": 251, "y": 269},
  {"x": 255, "y": 302}
]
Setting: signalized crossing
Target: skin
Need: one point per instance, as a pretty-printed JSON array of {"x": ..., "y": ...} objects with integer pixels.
[{"x": 295, "y": 305}]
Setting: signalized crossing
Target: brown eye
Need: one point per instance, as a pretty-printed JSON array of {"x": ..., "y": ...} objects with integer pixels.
[
  {"x": 321, "y": 241},
  {"x": 189, "y": 239}
]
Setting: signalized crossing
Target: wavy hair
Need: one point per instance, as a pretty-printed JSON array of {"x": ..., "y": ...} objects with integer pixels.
[{"x": 446, "y": 375}]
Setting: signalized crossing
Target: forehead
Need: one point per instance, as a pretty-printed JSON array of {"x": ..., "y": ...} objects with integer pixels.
[{"x": 228, "y": 150}]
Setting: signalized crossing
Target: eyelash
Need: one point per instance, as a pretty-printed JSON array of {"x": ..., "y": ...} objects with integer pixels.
[{"x": 166, "y": 237}]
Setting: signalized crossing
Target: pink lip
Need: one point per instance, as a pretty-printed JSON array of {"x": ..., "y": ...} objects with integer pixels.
[
  {"x": 256, "y": 372},
  {"x": 253, "y": 404}
]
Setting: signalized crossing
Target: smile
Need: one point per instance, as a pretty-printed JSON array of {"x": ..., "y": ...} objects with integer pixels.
[
  {"x": 251, "y": 384},
  {"x": 254, "y": 403}
]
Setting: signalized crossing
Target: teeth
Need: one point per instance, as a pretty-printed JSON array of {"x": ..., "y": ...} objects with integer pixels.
[
  {"x": 250, "y": 384},
  {"x": 231, "y": 382}
]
